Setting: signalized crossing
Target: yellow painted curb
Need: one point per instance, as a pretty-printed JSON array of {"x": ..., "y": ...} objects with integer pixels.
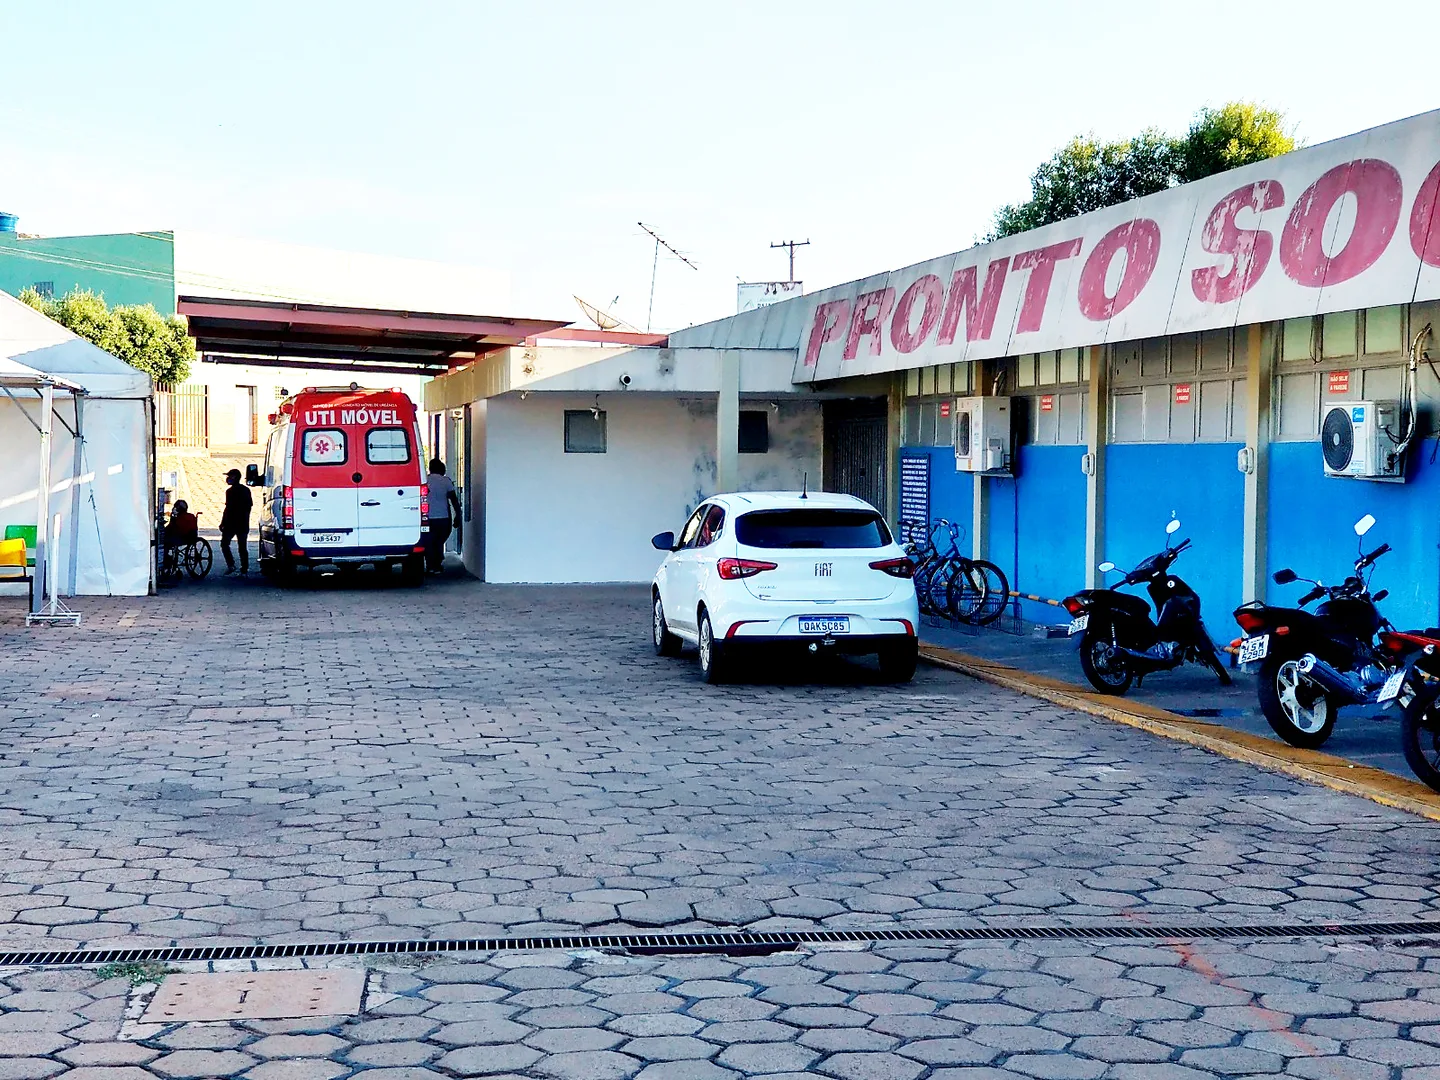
[{"x": 1313, "y": 766}]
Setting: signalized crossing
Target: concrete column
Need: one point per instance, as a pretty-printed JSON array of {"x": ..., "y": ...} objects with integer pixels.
[
  {"x": 894, "y": 413},
  {"x": 1097, "y": 428},
  {"x": 1258, "y": 381},
  {"x": 980, "y": 491},
  {"x": 727, "y": 423},
  {"x": 43, "y": 554}
]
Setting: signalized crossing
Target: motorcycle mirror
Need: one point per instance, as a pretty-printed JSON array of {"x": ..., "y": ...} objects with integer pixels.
[
  {"x": 1172, "y": 527},
  {"x": 1381, "y": 595},
  {"x": 1284, "y": 577},
  {"x": 1105, "y": 567},
  {"x": 1364, "y": 525}
]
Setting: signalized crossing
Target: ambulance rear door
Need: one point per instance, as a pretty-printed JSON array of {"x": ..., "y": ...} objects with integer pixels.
[
  {"x": 389, "y": 462},
  {"x": 326, "y": 488}
]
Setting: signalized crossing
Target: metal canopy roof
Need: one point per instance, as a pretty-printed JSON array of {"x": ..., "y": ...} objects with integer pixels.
[{"x": 271, "y": 333}]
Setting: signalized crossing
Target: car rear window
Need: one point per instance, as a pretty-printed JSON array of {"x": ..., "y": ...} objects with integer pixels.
[{"x": 812, "y": 529}]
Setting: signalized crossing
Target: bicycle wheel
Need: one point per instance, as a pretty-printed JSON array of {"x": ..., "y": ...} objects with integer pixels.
[
  {"x": 937, "y": 589},
  {"x": 997, "y": 594},
  {"x": 199, "y": 557},
  {"x": 966, "y": 593}
]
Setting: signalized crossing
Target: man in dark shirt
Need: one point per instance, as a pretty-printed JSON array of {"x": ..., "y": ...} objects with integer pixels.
[{"x": 235, "y": 522}]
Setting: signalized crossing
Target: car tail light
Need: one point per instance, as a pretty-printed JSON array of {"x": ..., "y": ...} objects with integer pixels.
[
  {"x": 901, "y": 568},
  {"x": 287, "y": 508},
  {"x": 1074, "y": 605},
  {"x": 424, "y": 502},
  {"x": 731, "y": 569}
]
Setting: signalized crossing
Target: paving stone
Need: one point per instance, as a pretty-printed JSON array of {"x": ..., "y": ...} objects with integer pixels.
[
  {"x": 489, "y": 1060},
  {"x": 286, "y": 1046},
  {"x": 198, "y": 1063},
  {"x": 27, "y": 1068},
  {"x": 107, "y": 1053},
  {"x": 849, "y": 1066},
  {"x": 588, "y": 1065},
  {"x": 480, "y": 1033},
  {"x": 393, "y": 1054},
  {"x": 758, "y": 1058},
  {"x": 669, "y": 1048},
  {"x": 297, "y": 1069},
  {"x": 31, "y": 1043},
  {"x": 571, "y": 1039},
  {"x": 686, "y": 1070}
]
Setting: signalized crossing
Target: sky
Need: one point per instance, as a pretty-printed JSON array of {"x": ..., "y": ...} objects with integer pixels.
[{"x": 532, "y": 137}]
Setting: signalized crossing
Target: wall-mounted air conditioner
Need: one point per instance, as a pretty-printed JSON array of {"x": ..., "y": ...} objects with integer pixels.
[
  {"x": 982, "y": 434},
  {"x": 1359, "y": 439}
]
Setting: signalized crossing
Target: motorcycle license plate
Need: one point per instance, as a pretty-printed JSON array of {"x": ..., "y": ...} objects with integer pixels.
[
  {"x": 1391, "y": 690},
  {"x": 1078, "y": 625},
  {"x": 1255, "y": 648},
  {"x": 827, "y": 626}
]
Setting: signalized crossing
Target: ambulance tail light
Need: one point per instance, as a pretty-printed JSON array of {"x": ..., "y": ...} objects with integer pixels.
[
  {"x": 287, "y": 508},
  {"x": 424, "y": 502}
]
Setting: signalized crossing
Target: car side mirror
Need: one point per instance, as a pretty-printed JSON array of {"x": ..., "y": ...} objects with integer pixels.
[
  {"x": 252, "y": 475},
  {"x": 663, "y": 541},
  {"x": 1283, "y": 577}
]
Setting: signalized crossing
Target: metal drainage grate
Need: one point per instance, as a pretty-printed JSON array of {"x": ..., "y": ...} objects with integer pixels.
[{"x": 730, "y": 942}]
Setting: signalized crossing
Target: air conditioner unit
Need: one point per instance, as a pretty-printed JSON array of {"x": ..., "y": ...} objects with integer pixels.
[
  {"x": 982, "y": 434},
  {"x": 1358, "y": 439}
]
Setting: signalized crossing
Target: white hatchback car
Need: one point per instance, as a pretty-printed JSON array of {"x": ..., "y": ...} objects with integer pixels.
[{"x": 811, "y": 571}]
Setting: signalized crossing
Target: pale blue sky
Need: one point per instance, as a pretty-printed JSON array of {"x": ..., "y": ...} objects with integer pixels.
[{"x": 531, "y": 137}]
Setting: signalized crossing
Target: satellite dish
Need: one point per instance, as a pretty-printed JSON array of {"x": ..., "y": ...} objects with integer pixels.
[{"x": 603, "y": 319}]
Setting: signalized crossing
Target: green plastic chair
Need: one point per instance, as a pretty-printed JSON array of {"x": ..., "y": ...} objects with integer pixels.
[{"x": 28, "y": 533}]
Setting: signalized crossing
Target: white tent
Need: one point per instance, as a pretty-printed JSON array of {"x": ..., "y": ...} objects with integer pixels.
[{"x": 97, "y": 476}]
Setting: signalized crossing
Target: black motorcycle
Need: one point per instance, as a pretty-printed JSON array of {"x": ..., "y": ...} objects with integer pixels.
[
  {"x": 1415, "y": 688},
  {"x": 1118, "y": 641},
  {"x": 1314, "y": 663}
]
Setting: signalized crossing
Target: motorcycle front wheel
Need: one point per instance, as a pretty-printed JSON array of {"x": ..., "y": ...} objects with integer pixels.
[
  {"x": 1420, "y": 739},
  {"x": 1296, "y": 709},
  {"x": 1104, "y": 665}
]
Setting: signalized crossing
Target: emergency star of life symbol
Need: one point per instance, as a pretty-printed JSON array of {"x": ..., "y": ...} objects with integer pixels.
[{"x": 322, "y": 446}]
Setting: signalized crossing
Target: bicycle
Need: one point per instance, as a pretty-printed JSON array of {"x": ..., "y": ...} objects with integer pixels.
[{"x": 934, "y": 568}]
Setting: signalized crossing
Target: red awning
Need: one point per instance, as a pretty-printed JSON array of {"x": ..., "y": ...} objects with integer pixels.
[{"x": 264, "y": 332}]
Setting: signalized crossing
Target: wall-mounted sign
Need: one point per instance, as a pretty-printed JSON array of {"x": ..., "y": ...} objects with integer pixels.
[
  {"x": 1182, "y": 393},
  {"x": 1338, "y": 382},
  {"x": 1251, "y": 245},
  {"x": 944, "y": 409},
  {"x": 1047, "y": 402},
  {"x": 914, "y": 497}
]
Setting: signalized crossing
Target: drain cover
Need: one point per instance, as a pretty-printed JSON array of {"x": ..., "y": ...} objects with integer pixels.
[{"x": 256, "y": 995}]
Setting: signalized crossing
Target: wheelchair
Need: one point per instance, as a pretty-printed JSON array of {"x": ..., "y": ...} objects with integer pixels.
[{"x": 191, "y": 557}]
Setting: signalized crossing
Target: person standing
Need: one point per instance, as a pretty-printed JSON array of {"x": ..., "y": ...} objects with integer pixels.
[
  {"x": 235, "y": 522},
  {"x": 444, "y": 511}
]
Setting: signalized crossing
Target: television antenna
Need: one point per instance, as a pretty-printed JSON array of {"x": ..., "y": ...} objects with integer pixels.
[
  {"x": 655, "y": 266},
  {"x": 603, "y": 319},
  {"x": 792, "y": 245}
]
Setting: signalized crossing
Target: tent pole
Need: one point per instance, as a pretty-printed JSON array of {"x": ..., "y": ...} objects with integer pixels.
[
  {"x": 78, "y": 454},
  {"x": 42, "y": 499}
]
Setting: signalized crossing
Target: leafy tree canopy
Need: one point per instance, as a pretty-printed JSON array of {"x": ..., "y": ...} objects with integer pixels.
[
  {"x": 1086, "y": 174},
  {"x": 158, "y": 345}
]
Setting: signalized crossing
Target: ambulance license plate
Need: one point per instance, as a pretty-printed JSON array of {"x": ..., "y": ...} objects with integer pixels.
[
  {"x": 1254, "y": 648},
  {"x": 1391, "y": 690},
  {"x": 327, "y": 538},
  {"x": 825, "y": 625}
]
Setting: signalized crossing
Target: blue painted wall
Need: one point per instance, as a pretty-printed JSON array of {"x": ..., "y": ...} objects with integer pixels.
[
  {"x": 951, "y": 494},
  {"x": 1037, "y": 527},
  {"x": 1311, "y": 517},
  {"x": 1145, "y": 482}
]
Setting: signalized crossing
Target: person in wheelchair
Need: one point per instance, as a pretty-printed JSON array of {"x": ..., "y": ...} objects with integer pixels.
[{"x": 183, "y": 527}]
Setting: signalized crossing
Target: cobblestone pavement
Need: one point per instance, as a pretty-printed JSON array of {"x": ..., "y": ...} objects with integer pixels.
[
  {"x": 1313, "y": 1009},
  {"x": 229, "y": 764}
]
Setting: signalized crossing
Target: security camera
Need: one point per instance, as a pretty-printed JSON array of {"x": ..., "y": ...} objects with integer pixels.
[{"x": 625, "y": 381}]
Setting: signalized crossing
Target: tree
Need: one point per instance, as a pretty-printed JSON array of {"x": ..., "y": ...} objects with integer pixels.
[
  {"x": 1236, "y": 134},
  {"x": 1086, "y": 174},
  {"x": 158, "y": 345}
]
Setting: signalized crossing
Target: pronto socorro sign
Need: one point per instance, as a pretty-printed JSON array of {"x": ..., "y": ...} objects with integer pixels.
[{"x": 1349, "y": 224}]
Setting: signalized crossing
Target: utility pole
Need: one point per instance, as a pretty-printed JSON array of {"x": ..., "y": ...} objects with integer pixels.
[
  {"x": 792, "y": 245},
  {"x": 655, "y": 266}
]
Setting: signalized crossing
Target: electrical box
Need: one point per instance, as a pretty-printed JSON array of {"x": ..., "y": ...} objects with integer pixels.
[
  {"x": 982, "y": 434},
  {"x": 1360, "y": 439}
]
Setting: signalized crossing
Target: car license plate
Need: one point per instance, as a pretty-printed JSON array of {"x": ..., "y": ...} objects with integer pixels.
[
  {"x": 819, "y": 625},
  {"x": 1391, "y": 690},
  {"x": 1078, "y": 625},
  {"x": 327, "y": 538},
  {"x": 1255, "y": 648}
]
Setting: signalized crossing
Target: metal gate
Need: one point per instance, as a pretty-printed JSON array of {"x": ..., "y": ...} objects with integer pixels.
[
  {"x": 182, "y": 416},
  {"x": 857, "y": 458}
]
